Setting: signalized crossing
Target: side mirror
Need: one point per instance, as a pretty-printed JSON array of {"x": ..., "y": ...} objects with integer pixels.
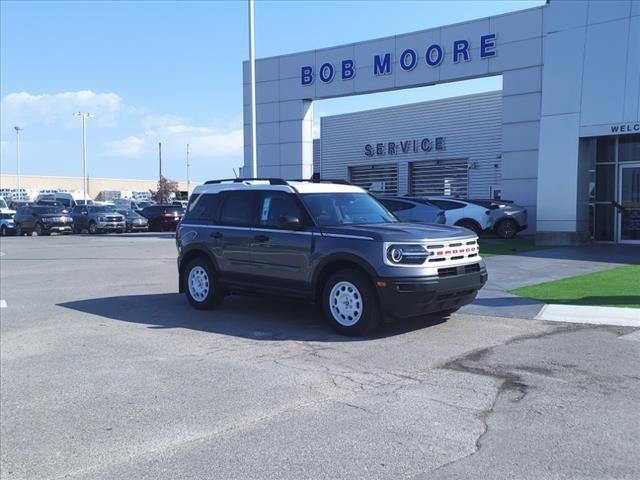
[{"x": 290, "y": 222}]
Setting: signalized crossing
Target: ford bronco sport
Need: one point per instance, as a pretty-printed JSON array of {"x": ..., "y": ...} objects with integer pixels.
[{"x": 327, "y": 242}]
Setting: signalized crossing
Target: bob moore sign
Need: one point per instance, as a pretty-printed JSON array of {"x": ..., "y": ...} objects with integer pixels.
[
  {"x": 404, "y": 146},
  {"x": 409, "y": 59}
]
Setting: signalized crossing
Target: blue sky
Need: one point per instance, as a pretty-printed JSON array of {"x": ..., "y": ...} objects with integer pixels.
[{"x": 172, "y": 72}]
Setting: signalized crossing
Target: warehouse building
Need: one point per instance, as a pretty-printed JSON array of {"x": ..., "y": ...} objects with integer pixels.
[{"x": 562, "y": 137}]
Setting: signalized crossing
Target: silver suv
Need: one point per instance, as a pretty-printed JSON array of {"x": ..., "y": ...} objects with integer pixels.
[{"x": 326, "y": 242}]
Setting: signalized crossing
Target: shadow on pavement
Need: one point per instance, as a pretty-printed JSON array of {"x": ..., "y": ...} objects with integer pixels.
[{"x": 254, "y": 318}]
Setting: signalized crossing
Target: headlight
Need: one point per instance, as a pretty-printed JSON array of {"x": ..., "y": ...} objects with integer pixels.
[{"x": 405, "y": 254}]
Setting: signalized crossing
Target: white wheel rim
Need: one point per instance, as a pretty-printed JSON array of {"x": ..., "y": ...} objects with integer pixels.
[
  {"x": 199, "y": 284},
  {"x": 345, "y": 303}
]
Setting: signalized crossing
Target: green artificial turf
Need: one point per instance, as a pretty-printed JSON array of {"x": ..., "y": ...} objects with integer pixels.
[
  {"x": 496, "y": 246},
  {"x": 617, "y": 287}
]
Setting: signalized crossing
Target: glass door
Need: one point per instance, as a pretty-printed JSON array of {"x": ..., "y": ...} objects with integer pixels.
[{"x": 629, "y": 203}]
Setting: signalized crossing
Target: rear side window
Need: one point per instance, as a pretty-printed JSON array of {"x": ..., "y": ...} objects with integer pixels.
[
  {"x": 276, "y": 205},
  {"x": 396, "y": 205},
  {"x": 203, "y": 207},
  {"x": 238, "y": 209},
  {"x": 447, "y": 205}
]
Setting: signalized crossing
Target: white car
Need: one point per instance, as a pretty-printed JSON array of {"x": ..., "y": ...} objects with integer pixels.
[{"x": 463, "y": 214}]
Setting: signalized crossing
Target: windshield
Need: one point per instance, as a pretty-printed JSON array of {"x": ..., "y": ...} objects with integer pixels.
[
  {"x": 333, "y": 209},
  {"x": 104, "y": 208},
  {"x": 3, "y": 204}
]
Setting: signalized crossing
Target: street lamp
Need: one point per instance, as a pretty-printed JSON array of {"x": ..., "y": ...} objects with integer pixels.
[
  {"x": 84, "y": 116},
  {"x": 188, "y": 181},
  {"x": 18, "y": 130}
]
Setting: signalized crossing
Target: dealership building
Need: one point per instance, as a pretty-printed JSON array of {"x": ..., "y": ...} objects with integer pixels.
[{"x": 562, "y": 137}]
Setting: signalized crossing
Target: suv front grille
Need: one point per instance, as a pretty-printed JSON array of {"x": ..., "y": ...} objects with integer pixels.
[{"x": 454, "y": 250}]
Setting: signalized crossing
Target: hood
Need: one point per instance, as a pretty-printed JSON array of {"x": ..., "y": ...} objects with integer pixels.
[
  {"x": 401, "y": 231},
  {"x": 54, "y": 215}
]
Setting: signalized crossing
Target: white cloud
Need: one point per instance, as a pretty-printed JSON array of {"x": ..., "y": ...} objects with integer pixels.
[
  {"x": 24, "y": 108},
  {"x": 204, "y": 141}
]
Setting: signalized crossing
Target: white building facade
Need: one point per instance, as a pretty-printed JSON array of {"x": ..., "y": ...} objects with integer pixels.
[{"x": 569, "y": 128}]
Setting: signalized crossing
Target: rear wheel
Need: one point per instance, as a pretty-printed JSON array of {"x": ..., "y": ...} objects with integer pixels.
[
  {"x": 471, "y": 225},
  {"x": 39, "y": 231},
  {"x": 507, "y": 228},
  {"x": 350, "y": 303},
  {"x": 93, "y": 228},
  {"x": 19, "y": 231},
  {"x": 200, "y": 284},
  {"x": 3, "y": 231}
]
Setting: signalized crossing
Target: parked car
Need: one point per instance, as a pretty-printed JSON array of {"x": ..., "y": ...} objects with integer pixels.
[
  {"x": 507, "y": 217},
  {"x": 142, "y": 205},
  {"x": 332, "y": 244},
  {"x": 409, "y": 209},
  {"x": 180, "y": 203},
  {"x": 68, "y": 200},
  {"x": 125, "y": 203},
  {"x": 7, "y": 224},
  {"x": 42, "y": 220},
  {"x": 163, "y": 217},
  {"x": 98, "y": 218},
  {"x": 462, "y": 213},
  {"x": 134, "y": 221}
]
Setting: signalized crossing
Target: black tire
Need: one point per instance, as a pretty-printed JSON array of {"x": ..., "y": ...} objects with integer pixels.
[
  {"x": 93, "y": 228},
  {"x": 3, "y": 231},
  {"x": 507, "y": 228},
  {"x": 471, "y": 225},
  {"x": 367, "y": 308},
  {"x": 19, "y": 231},
  {"x": 214, "y": 294},
  {"x": 39, "y": 230}
]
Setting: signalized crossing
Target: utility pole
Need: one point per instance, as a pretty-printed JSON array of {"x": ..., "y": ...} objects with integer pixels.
[
  {"x": 188, "y": 180},
  {"x": 18, "y": 129},
  {"x": 160, "y": 192},
  {"x": 252, "y": 62},
  {"x": 84, "y": 116}
]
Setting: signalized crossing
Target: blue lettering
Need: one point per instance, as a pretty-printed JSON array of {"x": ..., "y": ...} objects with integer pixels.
[
  {"x": 348, "y": 72},
  {"x": 615, "y": 128},
  {"x": 425, "y": 145},
  {"x": 488, "y": 45},
  {"x": 368, "y": 150},
  {"x": 434, "y": 55},
  {"x": 380, "y": 149},
  {"x": 460, "y": 47},
  {"x": 408, "y": 59},
  {"x": 439, "y": 143},
  {"x": 392, "y": 148},
  {"x": 404, "y": 146},
  {"x": 307, "y": 75},
  {"x": 326, "y": 72},
  {"x": 384, "y": 67}
]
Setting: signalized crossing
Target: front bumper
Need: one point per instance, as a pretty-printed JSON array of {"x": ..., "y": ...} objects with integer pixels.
[
  {"x": 58, "y": 227},
  {"x": 111, "y": 225},
  {"x": 407, "y": 297}
]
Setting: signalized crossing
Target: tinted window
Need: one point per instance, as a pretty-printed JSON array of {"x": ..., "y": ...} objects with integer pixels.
[
  {"x": 275, "y": 205},
  {"x": 346, "y": 209},
  {"x": 203, "y": 206},
  {"x": 446, "y": 204},
  {"x": 396, "y": 205},
  {"x": 238, "y": 208}
]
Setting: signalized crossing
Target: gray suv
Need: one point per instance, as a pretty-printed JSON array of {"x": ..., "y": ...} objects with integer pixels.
[{"x": 326, "y": 242}]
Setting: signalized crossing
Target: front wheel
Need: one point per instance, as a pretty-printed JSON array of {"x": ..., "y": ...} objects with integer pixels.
[
  {"x": 3, "y": 231},
  {"x": 200, "y": 285},
  {"x": 19, "y": 231},
  {"x": 39, "y": 231},
  {"x": 507, "y": 228},
  {"x": 93, "y": 228},
  {"x": 350, "y": 303}
]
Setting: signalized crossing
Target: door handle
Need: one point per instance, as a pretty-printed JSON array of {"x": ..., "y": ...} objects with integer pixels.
[
  {"x": 261, "y": 238},
  {"x": 216, "y": 235}
]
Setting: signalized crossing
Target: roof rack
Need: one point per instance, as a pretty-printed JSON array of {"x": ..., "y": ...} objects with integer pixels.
[{"x": 272, "y": 181}]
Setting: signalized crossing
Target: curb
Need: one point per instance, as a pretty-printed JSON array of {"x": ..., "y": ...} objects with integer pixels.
[{"x": 623, "y": 317}]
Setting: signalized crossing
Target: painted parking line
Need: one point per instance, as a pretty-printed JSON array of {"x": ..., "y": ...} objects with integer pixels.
[
  {"x": 622, "y": 317},
  {"x": 3, "y": 304}
]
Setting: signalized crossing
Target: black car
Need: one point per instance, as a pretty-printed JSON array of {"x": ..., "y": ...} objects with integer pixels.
[
  {"x": 42, "y": 220},
  {"x": 134, "y": 221},
  {"x": 328, "y": 243},
  {"x": 163, "y": 217}
]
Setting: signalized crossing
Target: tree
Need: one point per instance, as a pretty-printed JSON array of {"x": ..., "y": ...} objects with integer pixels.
[{"x": 165, "y": 188}]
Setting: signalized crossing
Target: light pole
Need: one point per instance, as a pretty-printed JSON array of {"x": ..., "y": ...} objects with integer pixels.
[
  {"x": 84, "y": 116},
  {"x": 18, "y": 129},
  {"x": 188, "y": 181},
  {"x": 252, "y": 63}
]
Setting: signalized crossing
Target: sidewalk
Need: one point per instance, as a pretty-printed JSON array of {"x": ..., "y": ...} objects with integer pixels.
[{"x": 507, "y": 272}]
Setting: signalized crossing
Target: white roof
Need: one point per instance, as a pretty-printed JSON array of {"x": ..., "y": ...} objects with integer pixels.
[{"x": 301, "y": 187}]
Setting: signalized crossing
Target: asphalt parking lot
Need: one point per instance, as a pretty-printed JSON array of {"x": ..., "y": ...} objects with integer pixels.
[{"x": 106, "y": 372}]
